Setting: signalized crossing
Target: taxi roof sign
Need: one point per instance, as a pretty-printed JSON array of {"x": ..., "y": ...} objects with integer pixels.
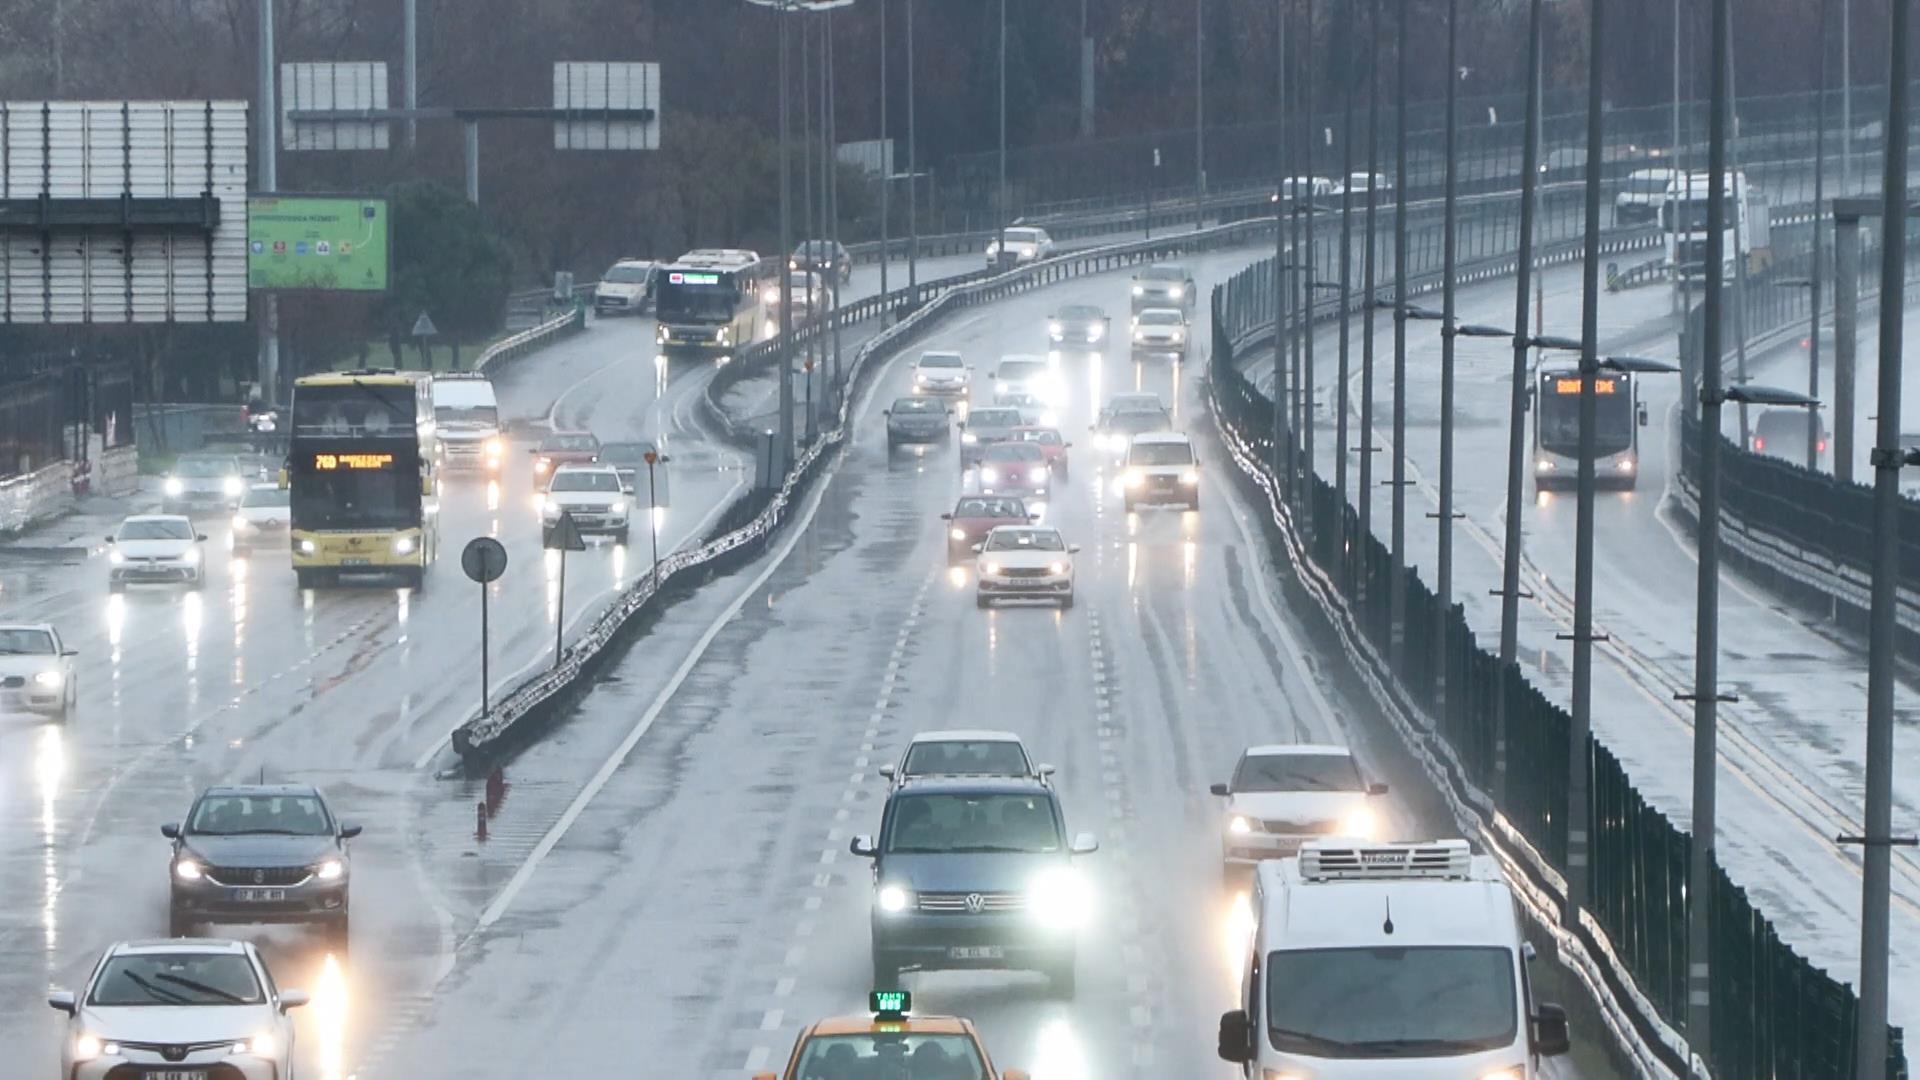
[{"x": 890, "y": 1003}]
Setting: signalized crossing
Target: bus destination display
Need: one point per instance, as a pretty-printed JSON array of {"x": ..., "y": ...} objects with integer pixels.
[{"x": 336, "y": 462}]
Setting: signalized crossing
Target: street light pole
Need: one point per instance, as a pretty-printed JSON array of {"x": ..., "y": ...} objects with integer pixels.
[
  {"x": 1448, "y": 332},
  {"x": 830, "y": 276},
  {"x": 1579, "y": 763},
  {"x": 1369, "y": 284},
  {"x": 785, "y": 360},
  {"x": 1346, "y": 282},
  {"x": 1397, "y": 594},
  {"x": 1282, "y": 399},
  {"x": 1819, "y": 236},
  {"x": 1309, "y": 266},
  {"x": 653, "y": 513},
  {"x": 1517, "y": 403},
  {"x": 1000, "y": 252},
  {"x": 886, "y": 158},
  {"x": 913, "y": 172},
  {"x": 1199, "y": 112}
]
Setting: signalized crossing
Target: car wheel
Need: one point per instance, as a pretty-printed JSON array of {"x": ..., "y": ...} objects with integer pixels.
[
  {"x": 303, "y": 579},
  {"x": 886, "y": 970},
  {"x": 199, "y": 580},
  {"x": 1194, "y": 503},
  {"x": 339, "y": 935},
  {"x": 1061, "y": 975},
  {"x": 1066, "y": 602},
  {"x": 179, "y": 924},
  {"x": 116, "y": 586},
  {"x": 1063, "y": 471},
  {"x": 1129, "y": 505},
  {"x": 982, "y": 601},
  {"x": 417, "y": 578},
  {"x": 620, "y": 535}
]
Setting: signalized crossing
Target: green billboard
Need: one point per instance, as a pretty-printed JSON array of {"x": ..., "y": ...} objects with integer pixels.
[{"x": 311, "y": 242}]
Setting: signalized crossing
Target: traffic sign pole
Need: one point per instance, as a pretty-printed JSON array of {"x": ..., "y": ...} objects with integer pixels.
[
  {"x": 484, "y": 560},
  {"x": 562, "y": 536}
]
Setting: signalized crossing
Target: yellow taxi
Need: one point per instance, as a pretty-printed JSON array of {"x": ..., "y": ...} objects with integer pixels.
[{"x": 891, "y": 1044}]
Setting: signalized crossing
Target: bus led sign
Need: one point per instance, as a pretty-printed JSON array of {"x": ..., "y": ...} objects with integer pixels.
[
  {"x": 678, "y": 278},
  {"x": 335, "y": 462},
  {"x": 1572, "y": 386}
]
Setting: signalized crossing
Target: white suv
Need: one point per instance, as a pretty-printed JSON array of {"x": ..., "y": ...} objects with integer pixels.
[
  {"x": 179, "y": 1007},
  {"x": 964, "y": 752},
  {"x": 941, "y": 373},
  {"x": 1282, "y": 796},
  {"x": 593, "y": 495},
  {"x": 1161, "y": 469}
]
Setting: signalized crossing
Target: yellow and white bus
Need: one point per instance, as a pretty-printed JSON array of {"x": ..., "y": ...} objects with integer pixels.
[
  {"x": 713, "y": 302},
  {"x": 363, "y": 479}
]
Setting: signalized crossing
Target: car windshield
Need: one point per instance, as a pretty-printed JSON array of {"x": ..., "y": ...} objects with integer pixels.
[
  {"x": 1138, "y": 420},
  {"x": 968, "y": 757},
  {"x": 265, "y": 496},
  {"x": 246, "y": 814},
  {"x": 1022, "y": 370},
  {"x": 1161, "y": 318},
  {"x": 938, "y": 822},
  {"x": 1160, "y": 453},
  {"x": 815, "y": 249},
  {"x": 1134, "y": 403},
  {"x": 585, "y": 481},
  {"x": 917, "y": 405},
  {"x": 1017, "y": 451},
  {"x": 627, "y": 275},
  {"x": 1078, "y": 312},
  {"x": 1391, "y": 1002},
  {"x": 1559, "y": 414},
  {"x": 623, "y": 453},
  {"x": 201, "y": 466},
  {"x": 1297, "y": 772},
  {"x": 1172, "y": 274},
  {"x": 1044, "y": 437},
  {"x": 466, "y": 414},
  {"x": 995, "y": 418},
  {"x": 891, "y": 1055},
  {"x": 1655, "y": 184},
  {"x": 941, "y": 360},
  {"x": 1023, "y": 236},
  {"x": 1025, "y": 540},
  {"x": 568, "y": 442},
  {"x": 15, "y": 641},
  {"x": 990, "y": 508},
  {"x": 176, "y": 979},
  {"x": 158, "y": 529}
]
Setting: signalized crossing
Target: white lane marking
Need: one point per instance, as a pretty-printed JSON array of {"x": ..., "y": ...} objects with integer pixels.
[
  {"x": 784, "y": 987},
  {"x": 812, "y": 904},
  {"x": 771, "y": 1021},
  {"x": 795, "y": 955},
  {"x": 612, "y": 765},
  {"x": 757, "y": 1058}
]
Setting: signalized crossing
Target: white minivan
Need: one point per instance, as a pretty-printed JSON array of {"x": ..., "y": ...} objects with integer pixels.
[{"x": 1388, "y": 960}]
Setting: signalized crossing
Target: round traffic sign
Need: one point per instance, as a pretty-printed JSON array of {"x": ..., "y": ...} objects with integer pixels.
[{"x": 483, "y": 559}]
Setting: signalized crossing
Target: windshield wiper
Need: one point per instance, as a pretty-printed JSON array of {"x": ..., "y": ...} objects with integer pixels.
[
  {"x": 159, "y": 993},
  {"x": 269, "y": 832},
  {"x": 392, "y": 407},
  {"x": 1309, "y": 1040},
  {"x": 1394, "y": 1047},
  {"x": 974, "y": 848},
  {"x": 203, "y": 988}
]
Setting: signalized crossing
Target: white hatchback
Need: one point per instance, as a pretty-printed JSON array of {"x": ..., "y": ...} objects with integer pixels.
[
  {"x": 155, "y": 548},
  {"x": 178, "y": 1008},
  {"x": 941, "y": 373},
  {"x": 36, "y": 670},
  {"x": 1024, "y": 562}
]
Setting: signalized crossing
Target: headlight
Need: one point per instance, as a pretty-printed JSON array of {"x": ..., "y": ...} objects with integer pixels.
[
  {"x": 192, "y": 557},
  {"x": 331, "y": 870},
  {"x": 1054, "y": 329},
  {"x": 659, "y": 333},
  {"x": 1059, "y": 898},
  {"x": 893, "y": 899},
  {"x": 539, "y": 465},
  {"x": 1360, "y": 822},
  {"x": 174, "y": 486},
  {"x": 403, "y": 545},
  {"x": 1138, "y": 291},
  {"x": 725, "y": 335},
  {"x": 1139, "y": 335},
  {"x": 261, "y": 1045},
  {"x": 969, "y": 437},
  {"x": 495, "y": 447},
  {"x": 1057, "y": 568},
  {"x": 1096, "y": 333},
  {"x": 1036, "y": 476},
  {"x": 772, "y": 296},
  {"x": 307, "y": 547},
  {"x": 1176, "y": 292},
  {"x": 1190, "y": 478},
  {"x": 87, "y": 1047},
  {"x": 232, "y": 486},
  {"x": 240, "y": 524},
  {"x": 1178, "y": 334},
  {"x": 989, "y": 476},
  {"x": 1239, "y": 826},
  {"x": 1543, "y": 465},
  {"x": 115, "y": 558},
  {"x": 919, "y": 376},
  {"x": 1625, "y": 465},
  {"x": 186, "y": 870},
  {"x": 992, "y": 568},
  {"x": 1000, "y": 388},
  {"x": 1135, "y": 478},
  {"x": 957, "y": 534},
  {"x": 49, "y": 679},
  {"x": 1512, "y": 1073}
]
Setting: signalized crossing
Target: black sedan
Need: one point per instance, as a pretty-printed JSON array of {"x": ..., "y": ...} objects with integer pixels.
[
  {"x": 259, "y": 853},
  {"x": 918, "y": 420}
]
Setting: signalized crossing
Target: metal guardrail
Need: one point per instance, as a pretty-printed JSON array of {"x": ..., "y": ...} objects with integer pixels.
[{"x": 533, "y": 338}]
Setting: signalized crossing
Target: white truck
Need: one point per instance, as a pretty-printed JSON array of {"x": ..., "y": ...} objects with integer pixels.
[
  {"x": 1683, "y": 217},
  {"x": 1387, "y": 960},
  {"x": 467, "y": 419}
]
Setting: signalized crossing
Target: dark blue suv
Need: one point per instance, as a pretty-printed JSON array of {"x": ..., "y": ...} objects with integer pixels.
[{"x": 976, "y": 872}]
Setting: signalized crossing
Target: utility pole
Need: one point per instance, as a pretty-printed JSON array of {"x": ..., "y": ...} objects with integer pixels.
[
  {"x": 1819, "y": 236},
  {"x": 1001, "y": 252},
  {"x": 1846, "y": 99},
  {"x": 266, "y": 171},
  {"x": 1086, "y": 76},
  {"x": 830, "y": 295},
  {"x": 886, "y": 156},
  {"x": 1448, "y": 332},
  {"x": 913, "y": 172},
  {"x": 784, "y": 364},
  {"x": 1398, "y": 594},
  {"x": 1350, "y": 61},
  {"x": 1846, "y": 339},
  {"x": 1870, "y": 1049},
  {"x": 411, "y": 74},
  {"x": 1517, "y": 403},
  {"x": 1309, "y": 273},
  {"x": 1282, "y": 399},
  {"x": 1368, "y": 274},
  {"x": 1199, "y": 113},
  {"x": 1578, "y": 763}
]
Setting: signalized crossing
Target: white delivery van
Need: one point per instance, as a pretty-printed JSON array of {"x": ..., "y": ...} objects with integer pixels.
[
  {"x": 1388, "y": 960},
  {"x": 467, "y": 419}
]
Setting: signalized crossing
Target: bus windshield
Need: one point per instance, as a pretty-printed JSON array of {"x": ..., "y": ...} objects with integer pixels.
[
  {"x": 697, "y": 298},
  {"x": 1559, "y": 416},
  {"x": 354, "y": 407}
]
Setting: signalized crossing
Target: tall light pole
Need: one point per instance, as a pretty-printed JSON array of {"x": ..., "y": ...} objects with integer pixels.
[
  {"x": 1819, "y": 235},
  {"x": 1000, "y": 252},
  {"x": 1397, "y": 594},
  {"x": 1086, "y": 76},
  {"x": 1517, "y": 402},
  {"x": 784, "y": 362},
  {"x": 1309, "y": 266},
  {"x": 830, "y": 278},
  {"x": 1448, "y": 332},
  {"x": 886, "y": 158},
  {"x": 913, "y": 171},
  {"x": 1282, "y": 422},
  {"x": 1368, "y": 274},
  {"x": 1346, "y": 276},
  {"x": 1199, "y": 112},
  {"x": 267, "y": 177}
]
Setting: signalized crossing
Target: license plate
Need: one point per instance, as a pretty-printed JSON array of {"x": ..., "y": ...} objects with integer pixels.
[
  {"x": 356, "y": 562},
  {"x": 189, "y": 1074},
  {"x": 976, "y": 952},
  {"x": 246, "y": 896}
]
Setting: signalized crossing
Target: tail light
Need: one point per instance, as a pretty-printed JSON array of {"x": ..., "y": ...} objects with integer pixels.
[
  {"x": 1759, "y": 443},
  {"x": 1820, "y": 446}
]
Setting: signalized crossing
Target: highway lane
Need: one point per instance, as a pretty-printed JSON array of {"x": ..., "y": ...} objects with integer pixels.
[
  {"x": 1790, "y": 748},
  {"x": 695, "y": 898}
]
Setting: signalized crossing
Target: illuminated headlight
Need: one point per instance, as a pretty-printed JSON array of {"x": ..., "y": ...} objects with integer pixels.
[
  {"x": 969, "y": 438},
  {"x": 1190, "y": 477},
  {"x": 1239, "y": 826},
  {"x": 989, "y": 476},
  {"x": 724, "y": 336},
  {"x": 1624, "y": 465},
  {"x": 192, "y": 557},
  {"x": 919, "y": 376},
  {"x": 893, "y": 899},
  {"x": 772, "y": 296},
  {"x": 115, "y": 558},
  {"x": 186, "y": 870},
  {"x": 331, "y": 870},
  {"x": 87, "y": 1047},
  {"x": 261, "y": 1045},
  {"x": 1510, "y": 1073},
  {"x": 1179, "y": 334},
  {"x": 1135, "y": 478},
  {"x": 1056, "y": 568},
  {"x": 495, "y": 447},
  {"x": 957, "y": 534},
  {"x": 307, "y": 547},
  {"x": 1054, "y": 329},
  {"x": 1036, "y": 476},
  {"x": 232, "y": 486},
  {"x": 1138, "y": 291},
  {"x": 660, "y": 334},
  {"x": 240, "y": 524},
  {"x": 1096, "y": 333},
  {"x": 1059, "y": 899},
  {"x": 174, "y": 486},
  {"x": 1176, "y": 292},
  {"x": 1139, "y": 335},
  {"x": 1543, "y": 465},
  {"x": 403, "y": 545},
  {"x": 49, "y": 680},
  {"x": 1360, "y": 823},
  {"x": 991, "y": 568},
  {"x": 1001, "y": 387}
]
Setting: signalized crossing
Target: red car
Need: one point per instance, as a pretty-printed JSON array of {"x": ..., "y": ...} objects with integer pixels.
[
  {"x": 974, "y": 516},
  {"x": 565, "y": 448},
  {"x": 1014, "y": 468},
  {"x": 1052, "y": 446}
]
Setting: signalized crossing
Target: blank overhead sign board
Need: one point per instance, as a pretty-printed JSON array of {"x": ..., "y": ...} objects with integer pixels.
[
  {"x": 123, "y": 211},
  {"x": 323, "y": 87},
  {"x": 589, "y": 85}
]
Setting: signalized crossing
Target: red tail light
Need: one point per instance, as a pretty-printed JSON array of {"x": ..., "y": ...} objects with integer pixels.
[
  {"x": 1821, "y": 446},
  {"x": 1806, "y": 343},
  {"x": 1759, "y": 443}
]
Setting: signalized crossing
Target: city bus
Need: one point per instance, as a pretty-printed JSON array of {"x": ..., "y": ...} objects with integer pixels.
[
  {"x": 361, "y": 468},
  {"x": 713, "y": 302},
  {"x": 1618, "y": 417}
]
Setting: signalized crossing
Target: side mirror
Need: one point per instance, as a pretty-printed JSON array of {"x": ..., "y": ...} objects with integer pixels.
[
  {"x": 1066, "y": 446},
  {"x": 1043, "y": 770},
  {"x": 1221, "y": 790},
  {"x": 200, "y": 537},
  {"x": 293, "y": 999},
  {"x": 977, "y": 547},
  {"x": 946, "y": 517},
  {"x": 1643, "y": 416},
  {"x": 1084, "y": 844},
  {"x": 348, "y": 832},
  {"x": 69, "y": 652},
  {"x": 1376, "y": 789},
  {"x": 1071, "y": 548},
  {"x": 62, "y": 1000},
  {"x": 1030, "y": 517},
  {"x": 170, "y": 831},
  {"x": 886, "y": 771},
  {"x": 862, "y": 846},
  {"x": 886, "y": 412},
  {"x": 1236, "y": 1037},
  {"x": 1551, "y": 1036},
  {"x": 109, "y": 539}
]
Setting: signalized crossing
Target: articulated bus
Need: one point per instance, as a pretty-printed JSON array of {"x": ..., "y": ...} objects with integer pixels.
[
  {"x": 1618, "y": 417},
  {"x": 361, "y": 466},
  {"x": 712, "y": 302}
]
